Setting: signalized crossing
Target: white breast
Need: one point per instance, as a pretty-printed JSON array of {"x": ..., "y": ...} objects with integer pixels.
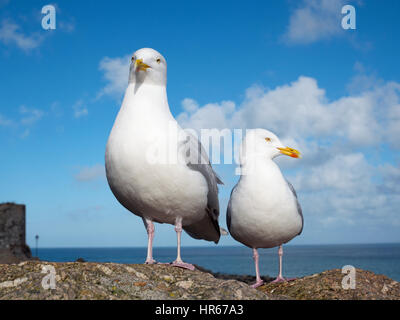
[
  {"x": 263, "y": 210},
  {"x": 159, "y": 191}
]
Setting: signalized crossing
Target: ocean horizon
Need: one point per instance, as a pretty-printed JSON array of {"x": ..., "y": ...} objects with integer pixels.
[{"x": 298, "y": 260}]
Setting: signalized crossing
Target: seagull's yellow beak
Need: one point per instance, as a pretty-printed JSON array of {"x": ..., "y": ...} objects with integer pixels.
[
  {"x": 140, "y": 65},
  {"x": 290, "y": 152}
]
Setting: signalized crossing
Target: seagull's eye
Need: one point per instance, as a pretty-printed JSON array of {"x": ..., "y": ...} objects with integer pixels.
[
  {"x": 133, "y": 59},
  {"x": 158, "y": 60},
  {"x": 268, "y": 139}
]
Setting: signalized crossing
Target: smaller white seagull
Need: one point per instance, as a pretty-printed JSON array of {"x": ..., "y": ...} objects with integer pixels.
[{"x": 263, "y": 211}]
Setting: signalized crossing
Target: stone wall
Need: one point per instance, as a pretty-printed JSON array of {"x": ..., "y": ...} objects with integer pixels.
[{"x": 12, "y": 230}]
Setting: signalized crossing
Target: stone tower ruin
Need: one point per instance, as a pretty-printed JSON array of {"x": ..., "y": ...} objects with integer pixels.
[{"x": 13, "y": 247}]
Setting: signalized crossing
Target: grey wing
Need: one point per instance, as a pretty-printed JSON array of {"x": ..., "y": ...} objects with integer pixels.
[
  {"x": 196, "y": 154},
  {"x": 298, "y": 205},
  {"x": 197, "y": 160}
]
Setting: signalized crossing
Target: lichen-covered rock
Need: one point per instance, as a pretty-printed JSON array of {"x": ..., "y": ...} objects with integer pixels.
[
  {"x": 81, "y": 280},
  {"x": 328, "y": 285}
]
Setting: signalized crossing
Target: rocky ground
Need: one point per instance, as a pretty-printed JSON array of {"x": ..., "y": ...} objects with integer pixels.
[
  {"x": 328, "y": 286},
  {"x": 83, "y": 280}
]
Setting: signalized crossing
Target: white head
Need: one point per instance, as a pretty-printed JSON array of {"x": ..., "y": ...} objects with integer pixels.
[
  {"x": 261, "y": 143},
  {"x": 148, "y": 66}
]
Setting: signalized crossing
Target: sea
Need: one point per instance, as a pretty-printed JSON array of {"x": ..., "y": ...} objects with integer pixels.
[{"x": 298, "y": 260}]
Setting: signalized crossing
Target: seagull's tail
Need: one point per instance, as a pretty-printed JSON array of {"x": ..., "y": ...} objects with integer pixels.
[{"x": 205, "y": 229}]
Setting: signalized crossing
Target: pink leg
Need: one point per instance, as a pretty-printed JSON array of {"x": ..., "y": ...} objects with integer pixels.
[
  {"x": 150, "y": 233},
  {"x": 259, "y": 282},
  {"x": 280, "y": 278},
  {"x": 178, "y": 262}
]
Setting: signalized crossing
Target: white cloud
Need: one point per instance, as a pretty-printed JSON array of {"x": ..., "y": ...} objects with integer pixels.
[
  {"x": 301, "y": 109},
  {"x": 393, "y": 120},
  {"x": 352, "y": 195},
  {"x": 189, "y": 105},
  {"x": 362, "y": 81},
  {"x": 391, "y": 179},
  {"x": 80, "y": 110},
  {"x": 30, "y": 116},
  {"x": 26, "y": 120},
  {"x": 346, "y": 189},
  {"x": 92, "y": 173},
  {"x": 10, "y": 33},
  {"x": 314, "y": 20},
  {"x": 116, "y": 73},
  {"x": 347, "y": 173},
  {"x": 212, "y": 115}
]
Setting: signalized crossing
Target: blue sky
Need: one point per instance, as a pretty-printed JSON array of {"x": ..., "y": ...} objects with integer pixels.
[{"x": 287, "y": 66}]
